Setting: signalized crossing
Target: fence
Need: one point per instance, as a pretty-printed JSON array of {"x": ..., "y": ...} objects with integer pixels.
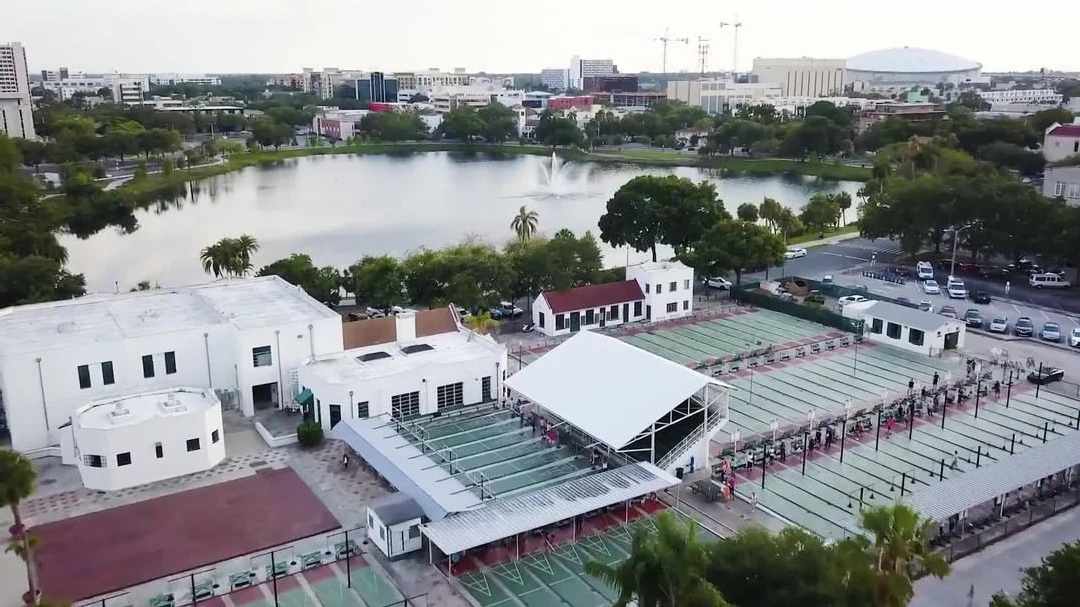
[
  {"x": 749, "y": 295},
  {"x": 1067, "y": 389},
  {"x": 272, "y": 577},
  {"x": 837, "y": 291}
]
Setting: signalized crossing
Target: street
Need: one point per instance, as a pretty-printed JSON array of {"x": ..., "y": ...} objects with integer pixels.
[{"x": 834, "y": 258}]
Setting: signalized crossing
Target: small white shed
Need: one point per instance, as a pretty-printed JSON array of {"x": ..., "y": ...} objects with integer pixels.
[
  {"x": 908, "y": 328},
  {"x": 393, "y": 524}
]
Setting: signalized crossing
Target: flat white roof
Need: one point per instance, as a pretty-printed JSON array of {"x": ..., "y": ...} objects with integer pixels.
[
  {"x": 246, "y": 303},
  {"x": 606, "y": 387},
  {"x": 132, "y": 409},
  {"x": 385, "y": 360}
]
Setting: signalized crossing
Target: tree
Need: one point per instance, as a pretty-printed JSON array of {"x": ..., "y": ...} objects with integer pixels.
[
  {"x": 1040, "y": 121},
  {"x": 377, "y": 281},
  {"x": 770, "y": 211},
  {"x": 499, "y": 123},
  {"x": 229, "y": 256},
  {"x": 268, "y": 132},
  {"x": 1052, "y": 583},
  {"x": 322, "y": 284},
  {"x": 557, "y": 130},
  {"x": 651, "y": 210},
  {"x": 17, "y": 481},
  {"x": 747, "y": 211},
  {"x": 735, "y": 246},
  {"x": 462, "y": 123},
  {"x": 666, "y": 568},
  {"x": 820, "y": 212},
  {"x": 481, "y": 323},
  {"x": 392, "y": 126},
  {"x": 901, "y": 542},
  {"x": 843, "y": 202},
  {"x": 524, "y": 224}
]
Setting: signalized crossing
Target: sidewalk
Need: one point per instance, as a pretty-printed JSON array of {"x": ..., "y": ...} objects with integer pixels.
[{"x": 829, "y": 241}]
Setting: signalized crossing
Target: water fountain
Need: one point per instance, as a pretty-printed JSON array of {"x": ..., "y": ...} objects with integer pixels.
[{"x": 552, "y": 171}]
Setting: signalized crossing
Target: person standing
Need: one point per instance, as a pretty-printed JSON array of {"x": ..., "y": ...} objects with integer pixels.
[
  {"x": 753, "y": 500},
  {"x": 936, "y": 379},
  {"x": 1007, "y": 286},
  {"x": 911, "y": 386},
  {"x": 345, "y": 461}
]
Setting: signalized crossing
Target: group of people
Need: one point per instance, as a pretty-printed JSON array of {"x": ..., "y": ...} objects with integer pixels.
[
  {"x": 726, "y": 478},
  {"x": 597, "y": 460},
  {"x": 541, "y": 425}
]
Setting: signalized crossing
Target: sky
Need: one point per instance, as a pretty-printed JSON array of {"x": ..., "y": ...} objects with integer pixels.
[{"x": 282, "y": 36}]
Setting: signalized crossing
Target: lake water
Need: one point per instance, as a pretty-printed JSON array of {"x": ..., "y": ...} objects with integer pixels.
[{"x": 340, "y": 208}]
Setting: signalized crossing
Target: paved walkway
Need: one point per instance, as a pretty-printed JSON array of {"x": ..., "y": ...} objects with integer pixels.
[{"x": 998, "y": 567}]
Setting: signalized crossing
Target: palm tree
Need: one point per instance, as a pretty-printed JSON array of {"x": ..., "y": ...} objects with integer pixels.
[
  {"x": 524, "y": 224},
  {"x": 843, "y": 200},
  {"x": 229, "y": 256},
  {"x": 901, "y": 543},
  {"x": 770, "y": 211},
  {"x": 17, "y": 481},
  {"x": 666, "y": 568},
  {"x": 481, "y": 323}
]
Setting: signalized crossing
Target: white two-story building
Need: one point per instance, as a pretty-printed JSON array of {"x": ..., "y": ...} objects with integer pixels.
[
  {"x": 668, "y": 287},
  {"x": 415, "y": 363},
  {"x": 243, "y": 339},
  {"x": 1061, "y": 141}
]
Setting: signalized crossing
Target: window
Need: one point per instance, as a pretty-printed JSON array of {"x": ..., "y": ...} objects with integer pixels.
[
  {"x": 362, "y": 409},
  {"x": 893, "y": 330},
  {"x": 672, "y": 307},
  {"x": 123, "y": 459},
  {"x": 449, "y": 395},
  {"x": 915, "y": 337},
  {"x": 414, "y": 532},
  {"x": 659, "y": 288},
  {"x": 405, "y": 405},
  {"x": 107, "y": 376},
  {"x": 637, "y": 308},
  {"x": 382, "y": 532},
  {"x": 485, "y": 388},
  {"x": 647, "y": 286},
  {"x": 192, "y": 444},
  {"x": 159, "y": 451},
  {"x": 686, "y": 284},
  {"x": 370, "y": 520},
  {"x": 261, "y": 356},
  {"x": 148, "y": 366},
  {"x": 673, "y": 286},
  {"x": 613, "y": 313},
  {"x": 590, "y": 317},
  {"x": 686, "y": 304},
  {"x": 1059, "y": 188},
  {"x": 84, "y": 376},
  {"x": 560, "y": 322},
  {"x": 876, "y": 326},
  {"x": 215, "y": 436},
  {"x": 170, "y": 363},
  {"x": 541, "y": 320},
  {"x": 94, "y": 461}
]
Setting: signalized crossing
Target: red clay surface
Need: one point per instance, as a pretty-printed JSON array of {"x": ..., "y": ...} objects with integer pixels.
[{"x": 106, "y": 551}]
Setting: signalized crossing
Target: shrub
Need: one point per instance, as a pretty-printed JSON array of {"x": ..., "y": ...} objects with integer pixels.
[{"x": 309, "y": 434}]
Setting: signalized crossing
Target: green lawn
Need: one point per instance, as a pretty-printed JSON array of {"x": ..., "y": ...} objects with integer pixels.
[{"x": 812, "y": 236}]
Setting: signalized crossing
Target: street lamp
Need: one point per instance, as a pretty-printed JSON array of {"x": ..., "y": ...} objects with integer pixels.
[
  {"x": 956, "y": 240},
  {"x": 860, "y": 327}
]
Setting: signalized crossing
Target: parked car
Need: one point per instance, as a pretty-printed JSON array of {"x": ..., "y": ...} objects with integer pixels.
[
  {"x": 848, "y": 299},
  {"x": 926, "y": 306},
  {"x": 930, "y": 287},
  {"x": 948, "y": 312},
  {"x": 1024, "y": 327},
  {"x": 1074, "y": 337},
  {"x": 716, "y": 282},
  {"x": 973, "y": 319},
  {"x": 374, "y": 313},
  {"x": 794, "y": 253},
  {"x": 1051, "y": 331},
  {"x": 980, "y": 297},
  {"x": 1000, "y": 324},
  {"x": 1048, "y": 280},
  {"x": 827, "y": 279},
  {"x": 815, "y": 297},
  {"x": 956, "y": 289},
  {"x": 998, "y": 272},
  {"x": 901, "y": 271},
  {"x": 924, "y": 270},
  {"x": 505, "y": 309},
  {"x": 1046, "y": 375}
]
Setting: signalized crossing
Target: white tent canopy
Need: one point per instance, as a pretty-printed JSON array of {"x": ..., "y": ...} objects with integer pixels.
[{"x": 609, "y": 389}]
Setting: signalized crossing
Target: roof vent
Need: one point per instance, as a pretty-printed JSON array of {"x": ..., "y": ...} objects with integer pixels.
[
  {"x": 172, "y": 405},
  {"x": 372, "y": 356},
  {"x": 119, "y": 413},
  {"x": 415, "y": 348}
]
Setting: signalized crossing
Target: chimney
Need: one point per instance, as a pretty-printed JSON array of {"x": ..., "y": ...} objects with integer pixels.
[{"x": 406, "y": 326}]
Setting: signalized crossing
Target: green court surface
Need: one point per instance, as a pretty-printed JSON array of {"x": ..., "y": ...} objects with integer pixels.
[
  {"x": 373, "y": 588},
  {"x": 332, "y": 592},
  {"x": 295, "y": 598}
]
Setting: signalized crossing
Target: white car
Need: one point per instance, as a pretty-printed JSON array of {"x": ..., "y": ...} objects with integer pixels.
[
  {"x": 717, "y": 282},
  {"x": 957, "y": 289},
  {"x": 843, "y": 301},
  {"x": 1000, "y": 324},
  {"x": 930, "y": 287},
  {"x": 1074, "y": 337},
  {"x": 924, "y": 270},
  {"x": 794, "y": 253},
  {"x": 926, "y": 306}
]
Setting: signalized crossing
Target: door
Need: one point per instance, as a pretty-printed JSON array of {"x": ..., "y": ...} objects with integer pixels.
[
  {"x": 626, "y": 312},
  {"x": 648, "y": 312},
  {"x": 575, "y": 322},
  {"x": 603, "y": 317},
  {"x": 335, "y": 415},
  {"x": 400, "y": 547}
]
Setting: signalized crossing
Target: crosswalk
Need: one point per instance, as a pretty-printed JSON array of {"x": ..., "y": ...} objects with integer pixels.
[{"x": 872, "y": 248}]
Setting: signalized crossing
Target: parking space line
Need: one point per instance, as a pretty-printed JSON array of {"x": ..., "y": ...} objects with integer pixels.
[
  {"x": 1074, "y": 321},
  {"x": 1016, "y": 308},
  {"x": 1044, "y": 315},
  {"x": 844, "y": 256}
]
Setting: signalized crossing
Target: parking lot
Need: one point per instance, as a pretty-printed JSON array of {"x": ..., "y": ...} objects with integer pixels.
[{"x": 1009, "y": 308}]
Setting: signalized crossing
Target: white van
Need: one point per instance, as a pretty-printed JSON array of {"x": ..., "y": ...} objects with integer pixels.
[
  {"x": 1048, "y": 280},
  {"x": 924, "y": 270}
]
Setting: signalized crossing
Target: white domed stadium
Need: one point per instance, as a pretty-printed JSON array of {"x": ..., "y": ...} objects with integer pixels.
[{"x": 910, "y": 66}]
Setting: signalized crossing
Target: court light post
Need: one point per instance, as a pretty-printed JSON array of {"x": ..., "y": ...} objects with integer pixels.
[
  {"x": 804, "y": 450},
  {"x": 843, "y": 428},
  {"x": 877, "y": 439},
  {"x": 956, "y": 241},
  {"x": 861, "y": 330}
]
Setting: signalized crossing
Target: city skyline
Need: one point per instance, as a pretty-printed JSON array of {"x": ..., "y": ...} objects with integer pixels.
[{"x": 276, "y": 36}]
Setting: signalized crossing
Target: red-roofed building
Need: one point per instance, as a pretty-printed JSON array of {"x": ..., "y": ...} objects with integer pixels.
[{"x": 1061, "y": 141}]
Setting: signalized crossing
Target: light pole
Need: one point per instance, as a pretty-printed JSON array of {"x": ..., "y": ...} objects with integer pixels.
[
  {"x": 956, "y": 240},
  {"x": 861, "y": 328}
]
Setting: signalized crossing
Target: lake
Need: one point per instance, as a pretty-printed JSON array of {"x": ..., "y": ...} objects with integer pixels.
[{"x": 340, "y": 208}]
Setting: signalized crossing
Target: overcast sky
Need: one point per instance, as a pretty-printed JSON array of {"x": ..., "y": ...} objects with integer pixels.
[{"x": 223, "y": 36}]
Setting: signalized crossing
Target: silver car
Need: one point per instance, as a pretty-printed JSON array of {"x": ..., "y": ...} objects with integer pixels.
[{"x": 1051, "y": 331}]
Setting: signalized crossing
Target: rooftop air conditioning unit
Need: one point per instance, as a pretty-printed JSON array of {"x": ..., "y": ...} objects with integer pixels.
[
  {"x": 172, "y": 404},
  {"x": 119, "y": 413}
]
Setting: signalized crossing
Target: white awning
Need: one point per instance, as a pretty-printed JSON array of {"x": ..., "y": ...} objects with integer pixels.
[
  {"x": 609, "y": 389},
  {"x": 537, "y": 509}
]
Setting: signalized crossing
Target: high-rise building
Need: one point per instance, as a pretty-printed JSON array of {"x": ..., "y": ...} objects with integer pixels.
[
  {"x": 16, "y": 110},
  {"x": 803, "y": 77},
  {"x": 555, "y": 78},
  {"x": 54, "y": 75},
  {"x": 583, "y": 68},
  {"x": 377, "y": 87}
]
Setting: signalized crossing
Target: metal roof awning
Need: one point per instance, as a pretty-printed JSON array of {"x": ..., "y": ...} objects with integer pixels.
[
  {"x": 537, "y": 509},
  {"x": 304, "y": 397},
  {"x": 981, "y": 485}
]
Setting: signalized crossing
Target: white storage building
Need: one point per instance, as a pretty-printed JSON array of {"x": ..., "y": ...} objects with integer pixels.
[
  {"x": 902, "y": 327},
  {"x": 668, "y": 287},
  {"x": 243, "y": 338}
]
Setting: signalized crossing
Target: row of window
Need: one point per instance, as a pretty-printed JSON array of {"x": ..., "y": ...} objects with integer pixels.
[
  {"x": 405, "y": 405},
  {"x": 672, "y": 286},
  {"x": 124, "y": 459},
  {"x": 1066, "y": 189},
  {"x": 450, "y": 395},
  {"x": 895, "y": 331},
  {"x": 674, "y": 306},
  {"x": 108, "y": 375},
  {"x": 592, "y": 317}
]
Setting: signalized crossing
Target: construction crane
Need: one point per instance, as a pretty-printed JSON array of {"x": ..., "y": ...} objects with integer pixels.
[
  {"x": 734, "y": 25},
  {"x": 703, "y": 53},
  {"x": 665, "y": 39}
]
